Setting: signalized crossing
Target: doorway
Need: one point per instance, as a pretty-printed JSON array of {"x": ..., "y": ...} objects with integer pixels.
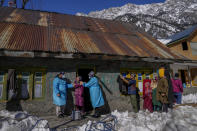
[
  {"x": 183, "y": 77},
  {"x": 83, "y": 72}
]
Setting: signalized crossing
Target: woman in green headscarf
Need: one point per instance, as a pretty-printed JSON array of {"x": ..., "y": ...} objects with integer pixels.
[{"x": 156, "y": 103}]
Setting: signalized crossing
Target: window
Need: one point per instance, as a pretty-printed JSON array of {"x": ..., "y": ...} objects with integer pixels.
[
  {"x": 25, "y": 85},
  {"x": 1, "y": 84},
  {"x": 139, "y": 76},
  {"x": 184, "y": 45},
  {"x": 38, "y": 85},
  {"x": 147, "y": 76},
  {"x": 30, "y": 81},
  {"x": 194, "y": 48}
]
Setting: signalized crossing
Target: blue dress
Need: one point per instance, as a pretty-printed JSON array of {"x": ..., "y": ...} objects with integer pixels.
[
  {"x": 60, "y": 87},
  {"x": 95, "y": 92}
]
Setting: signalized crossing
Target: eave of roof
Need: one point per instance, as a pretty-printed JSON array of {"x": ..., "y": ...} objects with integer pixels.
[{"x": 91, "y": 56}]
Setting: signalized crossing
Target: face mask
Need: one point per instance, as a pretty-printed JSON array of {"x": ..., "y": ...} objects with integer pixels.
[{"x": 63, "y": 76}]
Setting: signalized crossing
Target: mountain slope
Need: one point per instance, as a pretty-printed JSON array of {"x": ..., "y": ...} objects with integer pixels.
[{"x": 160, "y": 19}]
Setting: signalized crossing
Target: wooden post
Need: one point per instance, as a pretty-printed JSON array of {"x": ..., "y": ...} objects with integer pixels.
[{"x": 189, "y": 76}]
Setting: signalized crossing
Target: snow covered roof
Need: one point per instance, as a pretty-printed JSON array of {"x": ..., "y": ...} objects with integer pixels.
[{"x": 180, "y": 35}]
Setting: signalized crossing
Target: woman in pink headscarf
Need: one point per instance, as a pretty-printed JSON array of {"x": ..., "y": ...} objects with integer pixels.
[
  {"x": 147, "y": 95},
  {"x": 79, "y": 90}
]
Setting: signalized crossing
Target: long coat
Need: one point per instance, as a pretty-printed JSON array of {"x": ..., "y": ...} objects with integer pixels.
[
  {"x": 95, "y": 92},
  {"x": 147, "y": 95},
  {"x": 60, "y": 87},
  {"x": 79, "y": 90},
  {"x": 162, "y": 88},
  {"x": 154, "y": 92}
]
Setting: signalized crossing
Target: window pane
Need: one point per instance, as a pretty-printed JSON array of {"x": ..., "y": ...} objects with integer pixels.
[
  {"x": 38, "y": 74},
  {"x": 194, "y": 48},
  {"x": 147, "y": 76},
  {"x": 38, "y": 77},
  {"x": 139, "y": 76},
  {"x": 25, "y": 85},
  {"x": 184, "y": 46},
  {"x": 38, "y": 90},
  {"x": 25, "y": 74},
  {"x": 1, "y": 76},
  {"x": 1, "y": 91}
]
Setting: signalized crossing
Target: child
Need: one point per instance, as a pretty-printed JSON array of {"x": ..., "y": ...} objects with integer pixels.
[
  {"x": 154, "y": 82},
  {"x": 147, "y": 95},
  {"x": 79, "y": 100}
]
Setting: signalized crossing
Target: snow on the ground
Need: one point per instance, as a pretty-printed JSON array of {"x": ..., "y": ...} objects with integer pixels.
[
  {"x": 191, "y": 98},
  {"x": 21, "y": 121},
  {"x": 183, "y": 118}
]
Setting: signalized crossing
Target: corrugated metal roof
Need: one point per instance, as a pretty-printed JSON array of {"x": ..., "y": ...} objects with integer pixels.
[{"x": 28, "y": 30}]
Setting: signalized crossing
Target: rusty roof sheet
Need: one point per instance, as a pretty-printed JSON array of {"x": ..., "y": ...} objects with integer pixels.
[{"x": 28, "y": 30}]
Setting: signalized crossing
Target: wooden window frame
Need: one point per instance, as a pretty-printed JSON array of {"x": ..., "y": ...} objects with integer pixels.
[
  {"x": 43, "y": 82},
  {"x": 19, "y": 71},
  {"x": 4, "y": 93}
]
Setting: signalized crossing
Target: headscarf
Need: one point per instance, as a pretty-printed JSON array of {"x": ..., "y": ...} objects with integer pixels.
[
  {"x": 161, "y": 72},
  {"x": 91, "y": 74},
  {"x": 128, "y": 76}
]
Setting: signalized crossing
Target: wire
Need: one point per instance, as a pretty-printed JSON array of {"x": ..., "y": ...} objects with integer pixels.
[{"x": 107, "y": 126}]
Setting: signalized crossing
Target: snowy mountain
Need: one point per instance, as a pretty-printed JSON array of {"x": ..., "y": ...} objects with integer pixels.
[{"x": 159, "y": 19}]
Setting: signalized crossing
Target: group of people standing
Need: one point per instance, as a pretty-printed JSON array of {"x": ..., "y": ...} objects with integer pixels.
[
  {"x": 155, "y": 91},
  {"x": 60, "y": 93}
]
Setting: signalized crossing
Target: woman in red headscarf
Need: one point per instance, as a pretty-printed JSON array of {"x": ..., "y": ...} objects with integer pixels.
[{"x": 147, "y": 95}]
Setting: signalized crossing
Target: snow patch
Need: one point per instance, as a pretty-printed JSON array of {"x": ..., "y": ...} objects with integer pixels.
[
  {"x": 21, "y": 121},
  {"x": 182, "y": 118},
  {"x": 191, "y": 98},
  {"x": 164, "y": 41}
]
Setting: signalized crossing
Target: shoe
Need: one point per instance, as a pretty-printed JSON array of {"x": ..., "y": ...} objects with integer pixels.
[
  {"x": 95, "y": 116},
  {"x": 61, "y": 116}
]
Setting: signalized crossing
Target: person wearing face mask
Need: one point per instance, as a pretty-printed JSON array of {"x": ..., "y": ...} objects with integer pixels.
[
  {"x": 59, "y": 93},
  {"x": 95, "y": 93}
]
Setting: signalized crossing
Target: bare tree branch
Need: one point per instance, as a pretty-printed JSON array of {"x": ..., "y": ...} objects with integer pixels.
[
  {"x": 1, "y": 2},
  {"x": 24, "y": 3}
]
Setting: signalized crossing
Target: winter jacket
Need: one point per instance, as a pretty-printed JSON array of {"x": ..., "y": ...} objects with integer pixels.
[
  {"x": 162, "y": 88},
  {"x": 132, "y": 87},
  {"x": 95, "y": 92},
  {"x": 60, "y": 87},
  {"x": 177, "y": 85},
  {"x": 122, "y": 86},
  {"x": 154, "y": 93}
]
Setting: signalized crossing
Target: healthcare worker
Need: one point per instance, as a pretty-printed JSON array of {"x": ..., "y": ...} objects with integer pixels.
[
  {"x": 95, "y": 93},
  {"x": 59, "y": 93}
]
